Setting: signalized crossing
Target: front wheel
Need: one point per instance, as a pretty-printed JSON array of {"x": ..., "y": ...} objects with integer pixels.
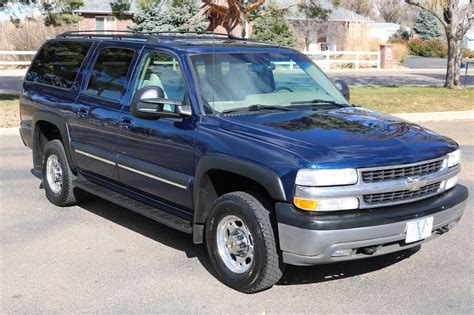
[{"x": 241, "y": 243}]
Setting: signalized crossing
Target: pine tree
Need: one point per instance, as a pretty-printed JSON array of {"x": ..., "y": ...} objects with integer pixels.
[
  {"x": 273, "y": 27},
  {"x": 166, "y": 18},
  {"x": 426, "y": 25}
]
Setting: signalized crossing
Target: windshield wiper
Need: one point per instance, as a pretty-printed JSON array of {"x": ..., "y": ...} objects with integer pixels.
[
  {"x": 317, "y": 102},
  {"x": 256, "y": 107}
]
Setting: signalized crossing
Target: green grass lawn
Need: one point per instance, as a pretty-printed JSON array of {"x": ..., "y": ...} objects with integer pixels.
[
  {"x": 412, "y": 99},
  {"x": 405, "y": 99}
]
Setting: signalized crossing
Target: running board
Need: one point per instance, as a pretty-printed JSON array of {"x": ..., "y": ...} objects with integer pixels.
[{"x": 153, "y": 213}]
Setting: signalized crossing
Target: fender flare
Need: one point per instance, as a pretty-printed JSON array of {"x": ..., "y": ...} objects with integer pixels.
[
  {"x": 58, "y": 121},
  {"x": 204, "y": 194}
]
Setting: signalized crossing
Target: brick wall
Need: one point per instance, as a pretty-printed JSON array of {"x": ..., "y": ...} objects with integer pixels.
[{"x": 89, "y": 23}]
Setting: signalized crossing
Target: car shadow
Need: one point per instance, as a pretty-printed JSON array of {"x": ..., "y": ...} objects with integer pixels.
[
  {"x": 295, "y": 275},
  {"x": 146, "y": 227}
]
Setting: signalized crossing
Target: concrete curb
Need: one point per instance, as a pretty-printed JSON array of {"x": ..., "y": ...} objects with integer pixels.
[
  {"x": 9, "y": 131},
  {"x": 437, "y": 116}
]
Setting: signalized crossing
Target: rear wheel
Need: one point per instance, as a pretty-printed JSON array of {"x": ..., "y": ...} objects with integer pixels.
[
  {"x": 57, "y": 175},
  {"x": 241, "y": 243}
]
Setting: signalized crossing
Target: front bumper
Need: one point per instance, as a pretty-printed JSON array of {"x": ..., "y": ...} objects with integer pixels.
[{"x": 310, "y": 239}]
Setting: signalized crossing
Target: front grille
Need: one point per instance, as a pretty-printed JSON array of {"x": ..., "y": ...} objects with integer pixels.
[
  {"x": 401, "y": 172},
  {"x": 403, "y": 195}
]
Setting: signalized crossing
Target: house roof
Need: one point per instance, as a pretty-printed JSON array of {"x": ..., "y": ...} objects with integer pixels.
[
  {"x": 337, "y": 13},
  {"x": 103, "y": 6}
]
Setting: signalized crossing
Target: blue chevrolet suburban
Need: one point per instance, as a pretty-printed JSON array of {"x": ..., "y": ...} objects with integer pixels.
[{"x": 247, "y": 146}]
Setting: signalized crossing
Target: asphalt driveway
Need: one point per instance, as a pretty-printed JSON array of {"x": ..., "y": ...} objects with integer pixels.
[{"x": 97, "y": 257}]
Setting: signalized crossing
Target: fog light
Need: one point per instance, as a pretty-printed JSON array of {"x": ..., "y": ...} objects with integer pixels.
[
  {"x": 450, "y": 183},
  {"x": 342, "y": 252}
]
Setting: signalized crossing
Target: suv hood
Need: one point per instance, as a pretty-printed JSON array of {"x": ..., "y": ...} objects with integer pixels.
[{"x": 344, "y": 137}]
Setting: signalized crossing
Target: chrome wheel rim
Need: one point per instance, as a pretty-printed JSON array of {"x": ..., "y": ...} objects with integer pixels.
[
  {"x": 54, "y": 174},
  {"x": 235, "y": 244}
]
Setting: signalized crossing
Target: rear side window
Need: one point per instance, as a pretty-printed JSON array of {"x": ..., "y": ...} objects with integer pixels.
[
  {"x": 109, "y": 76},
  {"x": 58, "y": 63}
]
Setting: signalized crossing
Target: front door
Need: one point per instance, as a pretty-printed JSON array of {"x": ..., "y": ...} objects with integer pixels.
[
  {"x": 97, "y": 112},
  {"x": 156, "y": 157}
]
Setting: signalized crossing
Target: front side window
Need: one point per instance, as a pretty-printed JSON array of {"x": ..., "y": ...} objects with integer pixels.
[
  {"x": 58, "y": 63},
  {"x": 108, "y": 78},
  {"x": 230, "y": 81},
  {"x": 161, "y": 70}
]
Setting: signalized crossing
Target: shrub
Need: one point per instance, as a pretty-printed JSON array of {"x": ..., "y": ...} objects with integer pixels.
[
  {"x": 400, "y": 52},
  {"x": 430, "y": 48},
  {"x": 468, "y": 53},
  {"x": 27, "y": 35},
  {"x": 401, "y": 35}
]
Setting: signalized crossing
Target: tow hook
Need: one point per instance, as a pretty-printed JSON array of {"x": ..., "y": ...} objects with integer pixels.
[
  {"x": 369, "y": 250},
  {"x": 442, "y": 230}
]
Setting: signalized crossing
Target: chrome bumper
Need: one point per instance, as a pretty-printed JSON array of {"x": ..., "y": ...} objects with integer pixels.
[{"x": 306, "y": 247}]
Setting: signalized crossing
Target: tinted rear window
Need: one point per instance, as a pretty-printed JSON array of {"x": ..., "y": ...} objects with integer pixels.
[
  {"x": 109, "y": 76},
  {"x": 58, "y": 63}
]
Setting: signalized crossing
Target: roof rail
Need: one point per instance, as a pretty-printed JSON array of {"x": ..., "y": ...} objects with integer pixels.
[
  {"x": 105, "y": 33},
  {"x": 141, "y": 35}
]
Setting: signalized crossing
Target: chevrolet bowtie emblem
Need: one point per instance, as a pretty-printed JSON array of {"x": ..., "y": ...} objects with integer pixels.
[{"x": 415, "y": 183}]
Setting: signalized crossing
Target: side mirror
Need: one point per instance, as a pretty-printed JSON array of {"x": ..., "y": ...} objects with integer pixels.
[
  {"x": 150, "y": 103},
  {"x": 343, "y": 88}
]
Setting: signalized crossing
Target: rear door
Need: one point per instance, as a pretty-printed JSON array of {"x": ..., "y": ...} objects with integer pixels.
[{"x": 97, "y": 110}]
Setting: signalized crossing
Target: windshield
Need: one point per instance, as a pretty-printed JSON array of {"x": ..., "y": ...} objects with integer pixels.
[{"x": 230, "y": 81}]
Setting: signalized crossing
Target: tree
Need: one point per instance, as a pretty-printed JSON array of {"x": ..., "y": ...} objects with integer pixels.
[
  {"x": 426, "y": 25},
  {"x": 390, "y": 10},
  {"x": 272, "y": 27},
  {"x": 62, "y": 12},
  {"x": 146, "y": 4},
  {"x": 309, "y": 22},
  {"x": 231, "y": 13},
  {"x": 402, "y": 34},
  {"x": 456, "y": 17},
  {"x": 362, "y": 7},
  {"x": 166, "y": 18},
  {"x": 120, "y": 7}
]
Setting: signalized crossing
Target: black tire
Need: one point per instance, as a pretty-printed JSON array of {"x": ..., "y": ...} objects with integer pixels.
[
  {"x": 65, "y": 196},
  {"x": 266, "y": 267}
]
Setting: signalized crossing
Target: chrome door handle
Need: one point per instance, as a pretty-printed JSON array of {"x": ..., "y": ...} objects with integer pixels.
[
  {"x": 82, "y": 113},
  {"x": 126, "y": 123}
]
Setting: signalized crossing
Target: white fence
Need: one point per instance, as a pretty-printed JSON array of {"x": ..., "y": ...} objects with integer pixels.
[
  {"x": 15, "y": 53},
  {"x": 324, "y": 59}
]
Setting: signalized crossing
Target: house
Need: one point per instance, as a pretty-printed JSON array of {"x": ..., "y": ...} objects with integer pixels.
[
  {"x": 383, "y": 31},
  {"x": 468, "y": 39},
  {"x": 98, "y": 15},
  {"x": 334, "y": 33}
]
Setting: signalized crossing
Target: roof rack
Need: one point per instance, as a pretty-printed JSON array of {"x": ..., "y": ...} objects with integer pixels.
[{"x": 156, "y": 36}]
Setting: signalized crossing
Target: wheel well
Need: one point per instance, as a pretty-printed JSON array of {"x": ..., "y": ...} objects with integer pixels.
[
  {"x": 225, "y": 182},
  {"x": 216, "y": 183},
  {"x": 44, "y": 131}
]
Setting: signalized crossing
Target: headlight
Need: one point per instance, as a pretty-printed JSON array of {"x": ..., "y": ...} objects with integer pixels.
[
  {"x": 326, "y": 177},
  {"x": 454, "y": 158}
]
